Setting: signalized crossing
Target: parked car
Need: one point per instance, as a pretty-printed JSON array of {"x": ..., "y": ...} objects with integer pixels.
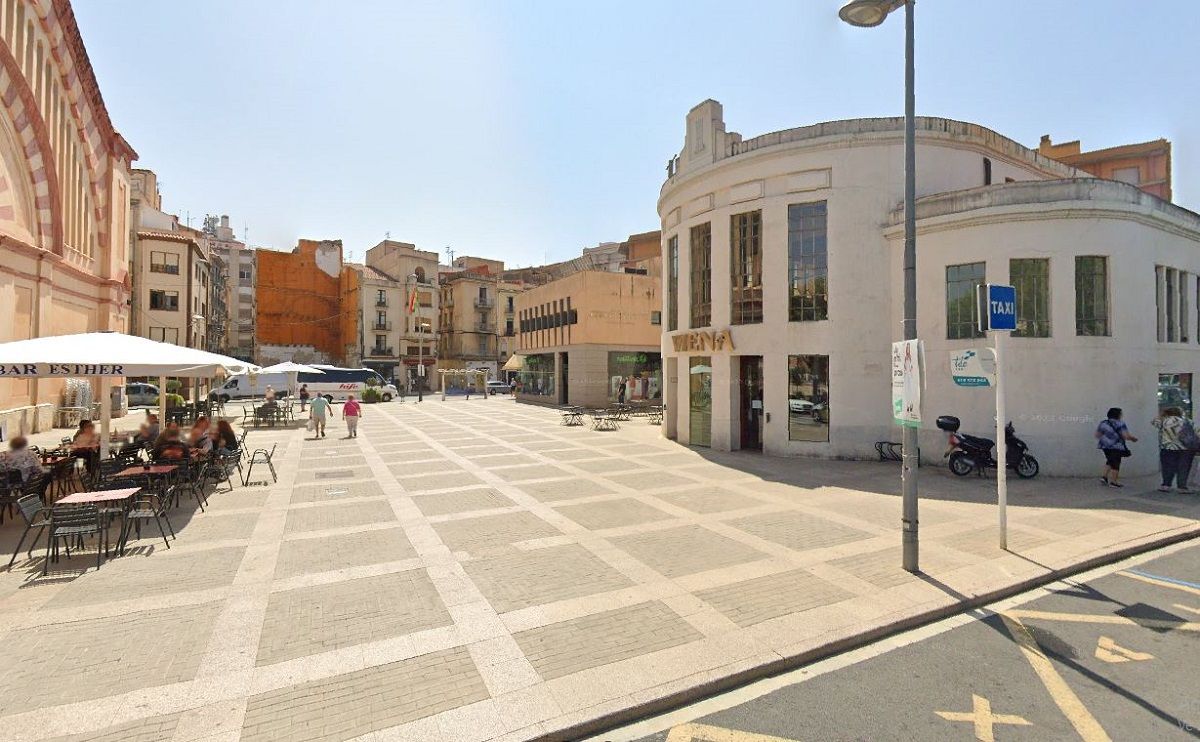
[
  {"x": 499, "y": 387},
  {"x": 138, "y": 394}
]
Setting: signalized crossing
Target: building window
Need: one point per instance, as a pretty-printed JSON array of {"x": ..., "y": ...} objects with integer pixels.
[
  {"x": 700, "y": 265},
  {"x": 165, "y": 301},
  {"x": 380, "y": 342},
  {"x": 1031, "y": 278},
  {"x": 700, "y": 401},
  {"x": 165, "y": 334},
  {"x": 537, "y": 377},
  {"x": 1171, "y": 301},
  {"x": 508, "y": 327},
  {"x": 808, "y": 261},
  {"x": 1091, "y": 295},
  {"x": 380, "y": 298},
  {"x": 164, "y": 262},
  {"x": 483, "y": 344},
  {"x": 673, "y": 283},
  {"x": 1175, "y": 390},
  {"x": 639, "y": 373},
  {"x": 987, "y": 171},
  {"x": 656, "y": 318},
  {"x": 808, "y": 398},
  {"x": 745, "y": 242},
  {"x": 962, "y": 305},
  {"x": 1130, "y": 175},
  {"x": 509, "y": 306}
]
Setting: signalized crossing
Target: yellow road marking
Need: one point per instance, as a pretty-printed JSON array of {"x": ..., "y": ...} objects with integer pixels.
[
  {"x": 1085, "y": 724},
  {"x": 982, "y": 717},
  {"x": 1185, "y": 608},
  {"x": 1109, "y": 651},
  {"x": 706, "y": 733},
  {"x": 1161, "y": 583},
  {"x": 1152, "y": 623}
]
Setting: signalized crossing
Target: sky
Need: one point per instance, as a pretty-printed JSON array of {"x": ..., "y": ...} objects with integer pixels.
[{"x": 525, "y": 131}]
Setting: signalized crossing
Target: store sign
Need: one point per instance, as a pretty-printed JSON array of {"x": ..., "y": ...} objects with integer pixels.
[{"x": 702, "y": 340}]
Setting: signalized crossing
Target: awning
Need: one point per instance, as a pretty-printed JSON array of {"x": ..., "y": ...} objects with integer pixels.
[
  {"x": 514, "y": 363},
  {"x": 110, "y": 354}
]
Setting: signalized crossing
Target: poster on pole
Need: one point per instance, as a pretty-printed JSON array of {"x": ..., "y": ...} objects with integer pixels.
[
  {"x": 973, "y": 367},
  {"x": 906, "y": 383}
]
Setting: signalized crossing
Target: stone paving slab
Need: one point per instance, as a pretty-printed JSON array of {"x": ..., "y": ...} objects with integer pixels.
[{"x": 476, "y": 571}]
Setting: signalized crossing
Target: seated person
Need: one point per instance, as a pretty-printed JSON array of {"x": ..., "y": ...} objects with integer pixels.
[
  {"x": 171, "y": 446},
  {"x": 152, "y": 427},
  {"x": 199, "y": 439},
  {"x": 86, "y": 444},
  {"x": 20, "y": 458},
  {"x": 226, "y": 440}
]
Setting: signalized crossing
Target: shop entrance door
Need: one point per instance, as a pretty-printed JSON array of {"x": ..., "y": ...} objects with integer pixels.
[{"x": 751, "y": 383}]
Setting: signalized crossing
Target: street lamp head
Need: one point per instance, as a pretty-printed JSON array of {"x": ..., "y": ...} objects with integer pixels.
[{"x": 868, "y": 13}]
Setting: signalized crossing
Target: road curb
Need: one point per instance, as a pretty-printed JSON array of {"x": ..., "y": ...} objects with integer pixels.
[{"x": 710, "y": 688}]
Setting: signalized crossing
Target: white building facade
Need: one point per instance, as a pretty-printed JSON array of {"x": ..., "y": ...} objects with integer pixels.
[{"x": 783, "y": 290}]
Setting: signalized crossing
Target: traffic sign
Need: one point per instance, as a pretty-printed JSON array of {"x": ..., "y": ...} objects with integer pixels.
[{"x": 1001, "y": 305}]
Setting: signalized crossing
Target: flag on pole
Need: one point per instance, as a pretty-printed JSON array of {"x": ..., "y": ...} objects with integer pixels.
[{"x": 412, "y": 301}]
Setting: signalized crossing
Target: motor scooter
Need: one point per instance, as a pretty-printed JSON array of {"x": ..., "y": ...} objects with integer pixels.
[{"x": 970, "y": 453}]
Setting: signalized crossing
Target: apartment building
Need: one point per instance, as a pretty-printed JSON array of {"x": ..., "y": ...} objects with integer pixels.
[
  {"x": 307, "y": 305},
  {"x": 237, "y": 316},
  {"x": 399, "y": 307},
  {"x": 169, "y": 269},
  {"x": 477, "y": 316}
]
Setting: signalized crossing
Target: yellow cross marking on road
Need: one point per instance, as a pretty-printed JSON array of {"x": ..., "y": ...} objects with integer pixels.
[
  {"x": 706, "y": 733},
  {"x": 1150, "y": 623},
  {"x": 981, "y": 715},
  {"x": 1109, "y": 651},
  {"x": 1086, "y": 726}
]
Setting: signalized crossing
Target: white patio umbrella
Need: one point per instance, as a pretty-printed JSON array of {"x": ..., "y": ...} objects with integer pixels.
[
  {"x": 111, "y": 354},
  {"x": 295, "y": 369}
]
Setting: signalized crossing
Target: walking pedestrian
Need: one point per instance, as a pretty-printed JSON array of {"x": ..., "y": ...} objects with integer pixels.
[
  {"x": 351, "y": 411},
  {"x": 1176, "y": 437},
  {"x": 318, "y": 410},
  {"x": 1113, "y": 438},
  {"x": 303, "y": 396},
  {"x": 621, "y": 392}
]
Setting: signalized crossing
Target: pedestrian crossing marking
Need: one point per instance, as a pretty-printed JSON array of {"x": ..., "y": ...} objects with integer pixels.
[
  {"x": 1109, "y": 651},
  {"x": 982, "y": 717},
  {"x": 1185, "y": 608},
  {"x": 706, "y": 733}
]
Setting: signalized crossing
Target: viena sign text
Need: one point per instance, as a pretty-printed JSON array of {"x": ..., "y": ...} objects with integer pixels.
[{"x": 11, "y": 370}]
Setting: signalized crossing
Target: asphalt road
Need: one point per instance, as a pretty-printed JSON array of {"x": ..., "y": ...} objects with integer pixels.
[{"x": 1117, "y": 657}]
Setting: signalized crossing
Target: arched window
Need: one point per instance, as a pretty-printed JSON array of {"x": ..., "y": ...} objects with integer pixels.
[{"x": 420, "y": 274}]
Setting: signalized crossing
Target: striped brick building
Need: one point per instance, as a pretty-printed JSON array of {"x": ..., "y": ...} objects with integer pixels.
[{"x": 64, "y": 196}]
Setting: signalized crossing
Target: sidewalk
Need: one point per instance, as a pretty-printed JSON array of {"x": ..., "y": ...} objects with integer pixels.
[{"x": 475, "y": 571}]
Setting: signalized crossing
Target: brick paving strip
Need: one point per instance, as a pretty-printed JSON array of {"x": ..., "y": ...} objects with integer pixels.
[{"x": 474, "y": 571}]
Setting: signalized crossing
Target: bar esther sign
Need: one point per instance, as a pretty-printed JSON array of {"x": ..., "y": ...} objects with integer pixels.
[{"x": 702, "y": 340}]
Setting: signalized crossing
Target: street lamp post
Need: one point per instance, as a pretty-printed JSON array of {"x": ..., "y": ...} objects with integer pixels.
[{"x": 868, "y": 13}]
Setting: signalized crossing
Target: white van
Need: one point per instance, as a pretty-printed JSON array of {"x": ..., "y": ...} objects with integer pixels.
[
  {"x": 245, "y": 386},
  {"x": 338, "y": 383}
]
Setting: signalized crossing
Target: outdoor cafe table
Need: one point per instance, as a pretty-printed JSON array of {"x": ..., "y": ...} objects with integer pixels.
[
  {"x": 100, "y": 497},
  {"x": 157, "y": 470}
]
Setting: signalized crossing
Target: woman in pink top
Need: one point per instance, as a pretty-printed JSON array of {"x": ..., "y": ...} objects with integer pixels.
[{"x": 350, "y": 413}]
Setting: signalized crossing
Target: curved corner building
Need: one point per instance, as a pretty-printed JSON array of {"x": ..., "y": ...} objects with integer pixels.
[{"x": 782, "y": 289}]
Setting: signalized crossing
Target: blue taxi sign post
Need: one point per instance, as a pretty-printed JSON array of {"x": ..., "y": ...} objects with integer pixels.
[{"x": 998, "y": 315}]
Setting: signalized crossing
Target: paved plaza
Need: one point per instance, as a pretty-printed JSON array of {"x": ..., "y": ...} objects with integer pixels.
[{"x": 476, "y": 571}]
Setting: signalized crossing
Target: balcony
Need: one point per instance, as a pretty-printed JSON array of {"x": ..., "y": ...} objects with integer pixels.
[
  {"x": 381, "y": 302},
  {"x": 381, "y": 352},
  {"x": 509, "y": 309},
  {"x": 383, "y": 326},
  {"x": 485, "y": 327},
  {"x": 483, "y": 302},
  {"x": 164, "y": 268}
]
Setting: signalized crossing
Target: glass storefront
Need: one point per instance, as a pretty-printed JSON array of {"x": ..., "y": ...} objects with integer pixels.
[
  {"x": 1175, "y": 390},
  {"x": 700, "y": 400},
  {"x": 537, "y": 377},
  {"x": 808, "y": 398},
  {"x": 640, "y": 374}
]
